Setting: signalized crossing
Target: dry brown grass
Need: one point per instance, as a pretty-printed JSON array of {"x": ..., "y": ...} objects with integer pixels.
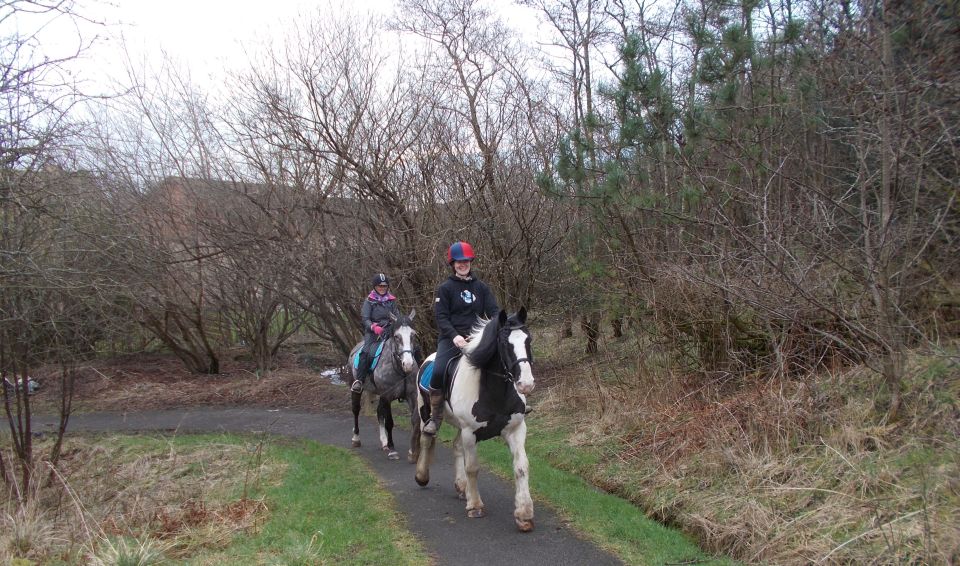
[
  {"x": 160, "y": 381},
  {"x": 114, "y": 498},
  {"x": 777, "y": 471},
  {"x": 146, "y": 504}
]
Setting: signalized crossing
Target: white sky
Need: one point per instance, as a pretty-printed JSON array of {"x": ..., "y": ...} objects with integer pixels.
[{"x": 207, "y": 36}]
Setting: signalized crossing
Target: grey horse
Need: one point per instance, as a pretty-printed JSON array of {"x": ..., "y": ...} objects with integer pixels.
[{"x": 393, "y": 379}]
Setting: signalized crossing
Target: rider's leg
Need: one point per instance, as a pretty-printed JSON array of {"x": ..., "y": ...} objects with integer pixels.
[
  {"x": 445, "y": 350},
  {"x": 436, "y": 412},
  {"x": 363, "y": 368},
  {"x": 361, "y": 375}
]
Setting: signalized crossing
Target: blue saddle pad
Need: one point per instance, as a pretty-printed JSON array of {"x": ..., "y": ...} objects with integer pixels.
[
  {"x": 373, "y": 362},
  {"x": 425, "y": 376}
]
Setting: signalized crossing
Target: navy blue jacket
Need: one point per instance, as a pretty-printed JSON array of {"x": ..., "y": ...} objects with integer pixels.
[{"x": 458, "y": 304}]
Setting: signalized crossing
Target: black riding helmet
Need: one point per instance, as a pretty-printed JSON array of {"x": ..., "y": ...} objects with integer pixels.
[{"x": 380, "y": 279}]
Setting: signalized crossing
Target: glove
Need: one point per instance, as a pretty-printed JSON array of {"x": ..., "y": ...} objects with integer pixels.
[{"x": 377, "y": 329}]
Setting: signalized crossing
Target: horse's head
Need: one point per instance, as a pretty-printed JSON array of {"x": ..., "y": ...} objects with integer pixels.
[
  {"x": 514, "y": 347},
  {"x": 405, "y": 341}
]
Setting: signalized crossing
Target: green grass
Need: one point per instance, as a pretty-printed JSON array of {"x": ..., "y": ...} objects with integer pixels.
[
  {"x": 207, "y": 499},
  {"x": 329, "y": 509},
  {"x": 609, "y": 521}
]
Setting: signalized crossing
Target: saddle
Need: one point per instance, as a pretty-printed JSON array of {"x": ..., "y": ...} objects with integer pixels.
[
  {"x": 373, "y": 360},
  {"x": 423, "y": 383},
  {"x": 426, "y": 374}
]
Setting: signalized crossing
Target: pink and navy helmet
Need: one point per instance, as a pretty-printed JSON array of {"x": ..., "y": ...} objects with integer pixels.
[{"x": 460, "y": 251}]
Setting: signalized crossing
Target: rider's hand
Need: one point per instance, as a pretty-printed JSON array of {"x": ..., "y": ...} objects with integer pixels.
[
  {"x": 459, "y": 341},
  {"x": 377, "y": 329}
]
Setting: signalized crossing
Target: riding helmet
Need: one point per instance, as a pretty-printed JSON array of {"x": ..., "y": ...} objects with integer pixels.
[
  {"x": 460, "y": 251},
  {"x": 380, "y": 279}
]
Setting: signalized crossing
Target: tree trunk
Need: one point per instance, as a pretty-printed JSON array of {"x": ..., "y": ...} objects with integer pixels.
[{"x": 590, "y": 324}]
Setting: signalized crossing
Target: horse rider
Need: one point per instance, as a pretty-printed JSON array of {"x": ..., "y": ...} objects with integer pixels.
[
  {"x": 375, "y": 313},
  {"x": 460, "y": 299}
]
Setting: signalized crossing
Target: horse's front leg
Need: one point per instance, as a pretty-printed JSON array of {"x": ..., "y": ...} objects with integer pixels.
[
  {"x": 426, "y": 444},
  {"x": 385, "y": 419},
  {"x": 523, "y": 505},
  {"x": 472, "y": 467},
  {"x": 414, "y": 451},
  {"x": 459, "y": 470},
  {"x": 355, "y": 406},
  {"x": 425, "y": 459}
]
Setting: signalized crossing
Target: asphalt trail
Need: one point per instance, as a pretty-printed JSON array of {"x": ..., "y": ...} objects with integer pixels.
[{"x": 434, "y": 513}]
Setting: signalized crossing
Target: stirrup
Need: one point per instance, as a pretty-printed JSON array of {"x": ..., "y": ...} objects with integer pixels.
[{"x": 357, "y": 386}]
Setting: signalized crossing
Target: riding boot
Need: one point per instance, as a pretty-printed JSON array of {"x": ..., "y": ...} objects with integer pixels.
[
  {"x": 363, "y": 367},
  {"x": 436, "y": 413}
]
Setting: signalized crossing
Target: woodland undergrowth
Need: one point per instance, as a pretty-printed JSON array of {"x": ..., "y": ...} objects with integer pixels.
[{"x": 782, "y": 471}]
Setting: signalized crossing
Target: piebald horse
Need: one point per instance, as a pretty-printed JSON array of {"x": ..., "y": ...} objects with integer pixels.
[
  {"x": 394, "y": 379},
  {"x": 487, "y": 399}
]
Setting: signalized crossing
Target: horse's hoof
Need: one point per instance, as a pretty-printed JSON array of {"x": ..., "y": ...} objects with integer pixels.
[
  {"x": 422, "y": 481},
  {"x": 411, "y": 457},
  {"x": 393, "y": 455},
  {"x": 355, "y": 444},
  {"x": 524, "y": 526},
  {"x": 475, "y": 513}
]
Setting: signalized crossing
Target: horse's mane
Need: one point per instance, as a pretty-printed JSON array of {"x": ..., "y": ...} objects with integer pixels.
[{"x": 483, "y": 342}]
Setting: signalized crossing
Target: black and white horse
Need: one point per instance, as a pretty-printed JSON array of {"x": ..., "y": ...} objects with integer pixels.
[
  {"x": 487, "y": 399},
  {"x": 393, "y": 379}
]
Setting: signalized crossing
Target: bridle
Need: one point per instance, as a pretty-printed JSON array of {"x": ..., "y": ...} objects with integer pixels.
[
  {"x": 510, "y": 369},
  {"x": 398, "y": 354}
]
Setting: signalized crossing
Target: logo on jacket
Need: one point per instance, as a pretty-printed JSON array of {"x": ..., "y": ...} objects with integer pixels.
[{"x": 467, "y": 296}]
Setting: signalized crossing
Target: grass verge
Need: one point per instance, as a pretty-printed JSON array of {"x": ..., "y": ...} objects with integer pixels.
[
  {"x": 609, "y": 521},
  {"x": 205, "y": 499},
  {"x": 329, "y": 509}
]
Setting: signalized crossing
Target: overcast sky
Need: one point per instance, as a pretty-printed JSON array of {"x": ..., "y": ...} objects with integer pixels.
[{"x": 208, "y": 36}]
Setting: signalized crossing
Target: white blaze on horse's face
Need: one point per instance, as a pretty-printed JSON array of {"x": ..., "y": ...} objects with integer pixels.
[
  {"x": 518, "y": 340},
  {"x": 405, "y": 334}
]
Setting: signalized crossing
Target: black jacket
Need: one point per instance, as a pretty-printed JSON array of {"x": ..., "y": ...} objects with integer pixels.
[{"x": 458, "y": 304}]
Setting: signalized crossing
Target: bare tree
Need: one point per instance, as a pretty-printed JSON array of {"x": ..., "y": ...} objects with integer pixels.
[
  {"x": 161, "y": 149},
  {"x": 582, "y": 32},
  {"x": 55, "y": 298},
  {"x": 331, "y": 119},
  {"x": 491, "y": 120}
]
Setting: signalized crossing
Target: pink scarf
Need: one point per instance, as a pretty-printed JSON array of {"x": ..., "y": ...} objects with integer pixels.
[{"x": 378, "y": 298}]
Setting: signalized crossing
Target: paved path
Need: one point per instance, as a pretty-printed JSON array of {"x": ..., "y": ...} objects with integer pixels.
[{"x": 434, "y": 513}]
